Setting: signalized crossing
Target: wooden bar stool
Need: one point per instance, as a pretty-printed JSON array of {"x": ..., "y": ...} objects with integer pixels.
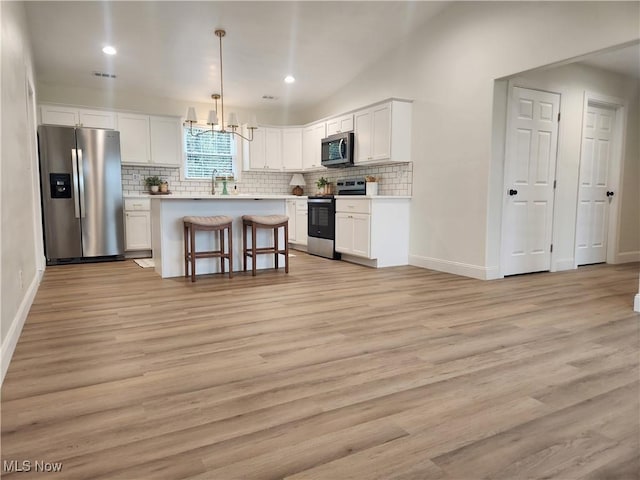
[
  {"x": 218, "y": 223},
  {"x": 273, "y": 222}
]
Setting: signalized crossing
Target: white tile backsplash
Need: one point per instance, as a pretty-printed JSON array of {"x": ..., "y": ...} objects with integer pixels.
[{"x": 392, "y": 179}]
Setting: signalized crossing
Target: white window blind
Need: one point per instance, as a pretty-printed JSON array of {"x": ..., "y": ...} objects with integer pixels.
[{"x": 206, "y": 151}]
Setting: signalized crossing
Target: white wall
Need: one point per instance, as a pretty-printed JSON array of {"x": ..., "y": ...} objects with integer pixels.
[
  {"x": 572, "y": 81},
  {"x": 448, "y": 68},
  {"x": 20, "y": 234}
]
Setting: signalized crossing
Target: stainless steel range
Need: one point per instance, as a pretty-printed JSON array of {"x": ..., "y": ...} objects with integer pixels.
[{"x": 322, "y": 218}]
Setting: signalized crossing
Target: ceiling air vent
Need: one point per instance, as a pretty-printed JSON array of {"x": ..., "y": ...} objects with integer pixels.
[
  {"x": 269, "y": 97},
  {"x": 104, "y": 75}
]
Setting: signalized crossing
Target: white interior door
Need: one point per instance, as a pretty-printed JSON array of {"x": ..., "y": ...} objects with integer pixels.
[
  {"x": 595, "y": 193},
  {"x": 530, "y": 166}
]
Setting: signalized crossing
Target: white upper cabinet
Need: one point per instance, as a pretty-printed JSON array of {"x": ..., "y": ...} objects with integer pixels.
[
  {"x": 77, "y": 117},
  {"x": 135, "y": 143},
  {"x": 255, "y": 150},
  {"x": 292, "y": 149},
  {"x": 340, "y": 124},
  {"x": 97, "y": 119},
  {"x": 265, "y": 151},
  {"x": 148, "y": 139},
  {"x": 273, "y": 148},
  {"x": 311, "y": 144},
  {"x": 383, "y": 133},
  {"x": 144, "y": 139},
  {"x": 166, "y": 141}
]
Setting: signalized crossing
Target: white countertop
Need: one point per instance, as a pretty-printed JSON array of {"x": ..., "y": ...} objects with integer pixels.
[
  {"x": 258, "y": 196},
  {"x": 374, "y": 197},
  {"x": 182, "y": 196}
]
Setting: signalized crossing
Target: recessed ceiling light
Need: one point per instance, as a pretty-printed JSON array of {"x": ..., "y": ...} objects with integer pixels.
[
  {"x": 289, "y": 79},
  {"x": 109, "y": 50}
]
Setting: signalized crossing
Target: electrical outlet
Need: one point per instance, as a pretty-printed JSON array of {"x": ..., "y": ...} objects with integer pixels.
[{"x": 136, "y": 177}]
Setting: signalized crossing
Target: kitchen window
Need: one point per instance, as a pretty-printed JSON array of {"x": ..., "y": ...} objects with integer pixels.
[{"x": 206, "y": 151}]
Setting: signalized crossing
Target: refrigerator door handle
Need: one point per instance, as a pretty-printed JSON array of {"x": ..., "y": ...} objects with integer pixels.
[
  {"x": 81, "y": 183},
  {"x": 76, "y": 197}
]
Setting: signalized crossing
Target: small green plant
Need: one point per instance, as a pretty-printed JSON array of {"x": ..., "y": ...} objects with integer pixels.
[
  {"x": 151, "y": 181},
  {"x": 322, "y": 182}
]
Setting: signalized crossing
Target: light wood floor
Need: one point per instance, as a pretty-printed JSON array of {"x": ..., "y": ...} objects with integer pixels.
[{"x": 334, "y": 371}]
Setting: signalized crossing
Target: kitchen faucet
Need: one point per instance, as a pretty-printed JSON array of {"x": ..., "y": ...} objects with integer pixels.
[{"x": 213, "y": 181}]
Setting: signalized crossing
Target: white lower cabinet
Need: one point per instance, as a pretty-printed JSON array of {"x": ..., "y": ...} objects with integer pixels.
[
  {"x": 297, "y": 212},
  {"x": 302, "y": 214},
  {"x": 291, "y": 213},
  {"x": 137, "y": 224},
  {"x": 373, "y": 231}
]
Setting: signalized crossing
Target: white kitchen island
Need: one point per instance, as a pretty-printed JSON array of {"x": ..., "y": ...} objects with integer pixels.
[{"x": 167, "y": 232}]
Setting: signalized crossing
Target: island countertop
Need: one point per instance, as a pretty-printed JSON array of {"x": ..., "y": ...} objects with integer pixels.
[
  {"x": 257, "y": 196},
  {"x": 185, "y": 196}
]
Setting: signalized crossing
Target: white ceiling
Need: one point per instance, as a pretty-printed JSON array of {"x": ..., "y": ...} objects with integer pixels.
[
  {"x": 168, "y": 49},
  {"x": 623, "y": 60}
]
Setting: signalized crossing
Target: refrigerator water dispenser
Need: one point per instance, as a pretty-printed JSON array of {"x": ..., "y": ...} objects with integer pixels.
[{"x": 60, "y": 184}]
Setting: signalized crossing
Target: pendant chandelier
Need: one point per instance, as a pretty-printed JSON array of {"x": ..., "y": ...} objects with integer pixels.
[{"x": 212, "y": 120}]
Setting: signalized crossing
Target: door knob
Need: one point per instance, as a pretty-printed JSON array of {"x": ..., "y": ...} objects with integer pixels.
[
  {"x": 513, "y": 192},
  {"x": 609, "y": 194}
]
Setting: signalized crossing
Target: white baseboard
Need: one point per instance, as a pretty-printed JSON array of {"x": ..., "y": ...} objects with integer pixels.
[
  {"x": 457, "y": 268},
  {"x": 636, "y": 303},
  {"x": 564, "y": 264},
  {"x": 627, "y": 257},
  {"x": 11, "y": 340}
]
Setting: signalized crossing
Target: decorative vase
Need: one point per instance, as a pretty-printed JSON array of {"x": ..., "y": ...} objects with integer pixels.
[
  {"x": 164, "y": 187},
  {"x": 371, "y": 188},
  {"x": 154, "y": 188}
]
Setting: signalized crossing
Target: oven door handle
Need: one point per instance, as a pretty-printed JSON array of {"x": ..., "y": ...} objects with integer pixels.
[{"x": 320, "y": 200}]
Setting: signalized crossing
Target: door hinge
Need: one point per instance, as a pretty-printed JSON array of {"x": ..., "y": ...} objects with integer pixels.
[
  {"x": 554, "y": 184},
  {"x": 551, "y": 249},
  {"x": 558, "y": 116}
]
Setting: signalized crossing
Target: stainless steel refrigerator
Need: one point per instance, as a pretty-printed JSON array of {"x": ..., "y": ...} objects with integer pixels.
[{"x": 81, "y": 193}]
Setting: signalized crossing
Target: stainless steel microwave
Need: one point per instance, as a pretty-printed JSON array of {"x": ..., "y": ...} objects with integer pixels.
[{"x": 337, "y": 150}]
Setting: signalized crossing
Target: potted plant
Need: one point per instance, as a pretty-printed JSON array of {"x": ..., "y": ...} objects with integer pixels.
[
  {"x": 153, "y": 183},
  {"x": 324, "y": 186},
  {"x": 371, "y": 185}
]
